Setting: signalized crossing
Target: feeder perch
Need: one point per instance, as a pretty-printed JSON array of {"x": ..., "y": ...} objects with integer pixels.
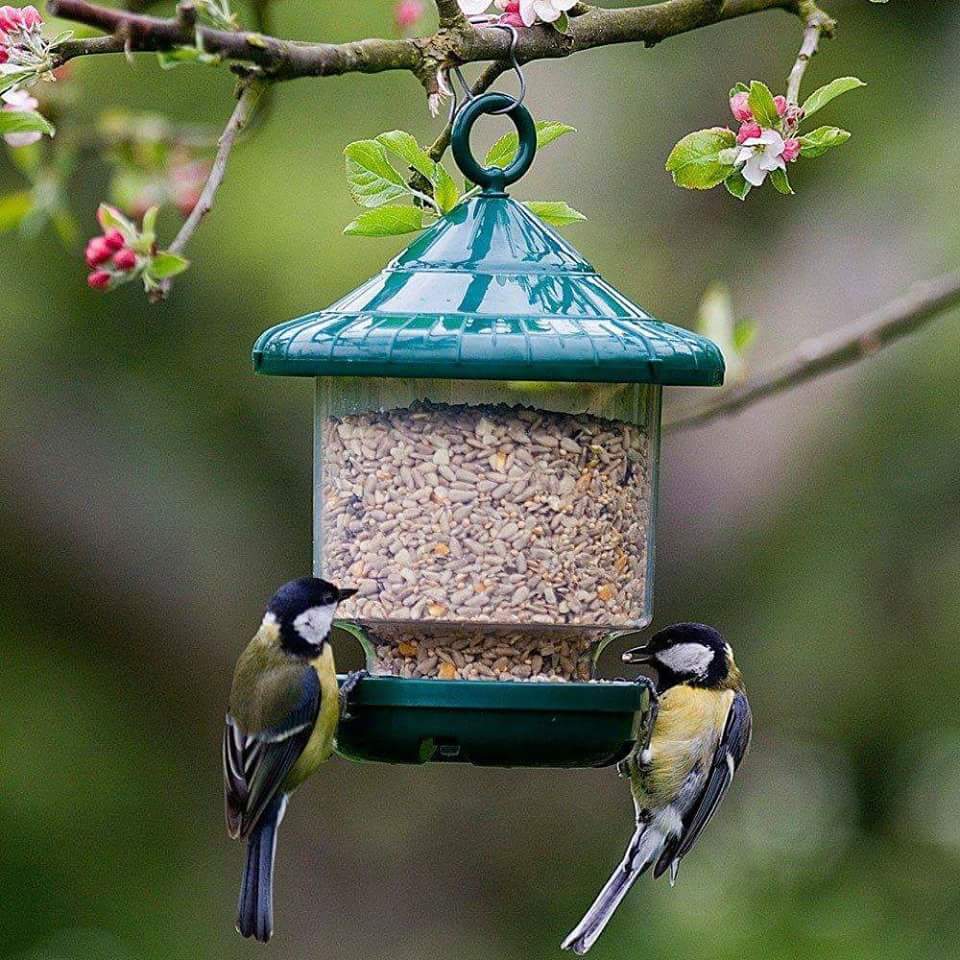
[{"x": 487, "y": 430}]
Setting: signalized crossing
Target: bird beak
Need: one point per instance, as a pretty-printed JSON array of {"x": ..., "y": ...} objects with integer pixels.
[
  {"x": 345, "y": 593},
  {"x": 637, "y": 655}
]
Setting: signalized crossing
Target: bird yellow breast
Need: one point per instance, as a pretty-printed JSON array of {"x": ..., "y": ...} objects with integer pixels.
[
  {"x": 323, "y": 739},
  {"x": 689, "y": 724}
]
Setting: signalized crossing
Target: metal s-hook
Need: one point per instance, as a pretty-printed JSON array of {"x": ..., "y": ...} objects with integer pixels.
[{"x": 468, "y": 95}]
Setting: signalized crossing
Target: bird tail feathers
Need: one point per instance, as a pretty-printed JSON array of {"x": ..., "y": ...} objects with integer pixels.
[
  {"x": 645, "y": 846},
  {"x": 255, "y": 909}
]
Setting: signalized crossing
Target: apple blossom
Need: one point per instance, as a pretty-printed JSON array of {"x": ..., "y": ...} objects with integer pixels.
[
  {"x": 19, "y": 101},
  {"x": 780, "y": 102},
  {"x": 740, "y": 108},
  {"x": 748, "y": 130},
  {"x": 549, "y": 11},
  {"x": 406, "y": 13},
  {"x": 791, "y": 149},
  {"x": 760, "y": 156}
]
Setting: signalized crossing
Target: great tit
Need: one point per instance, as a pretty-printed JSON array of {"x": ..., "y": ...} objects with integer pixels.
[
  {"x": 283, "y": 716},
  {"x": 699, "y": 731}
]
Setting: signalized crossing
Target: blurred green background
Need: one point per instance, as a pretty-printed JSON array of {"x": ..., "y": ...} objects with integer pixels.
[{"x": 154, "y": 493}]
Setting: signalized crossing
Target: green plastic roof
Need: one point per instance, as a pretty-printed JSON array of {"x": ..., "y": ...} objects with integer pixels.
[{"x": 489, "y": 293}]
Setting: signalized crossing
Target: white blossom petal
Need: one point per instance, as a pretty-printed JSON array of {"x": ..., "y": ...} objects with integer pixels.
[
  {"x": 771, "y": 163},
  {"x": 752, "y": 172},
  {"x": 474, "y": 7},
  {"x": 546, "y": 10},
  {"x": 772, "y": 138},
  {"x": 527, "y": 12}
]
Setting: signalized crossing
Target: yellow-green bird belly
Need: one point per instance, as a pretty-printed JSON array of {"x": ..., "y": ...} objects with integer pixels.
[
  {"x": 688, "y": 727},
  {"x": 322, "y": 741}
]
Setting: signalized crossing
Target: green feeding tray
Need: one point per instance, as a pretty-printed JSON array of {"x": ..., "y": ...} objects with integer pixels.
[
  {"x": 493, "y": 723},
  {"x": 481, "y": 307}
]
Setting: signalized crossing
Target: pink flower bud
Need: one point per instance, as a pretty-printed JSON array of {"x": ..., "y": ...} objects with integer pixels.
[
  {"x": 31, "y": 18},
  {"x": 10, "y": 21},
  {"x": 791, "y": 149},
  {"x": 740, "y": 108},
  {"x": 4, "y": 56},
  {"x": 406, "y": 13},
  {"x": 748, "y": 130},
  {"x": 98, "y": 251},
  {"x": 114, "y": 239},
  {"x": 125, "y": 259},
  {"x": 781, "y": 104},
  {"x": 99, "y": 280}
]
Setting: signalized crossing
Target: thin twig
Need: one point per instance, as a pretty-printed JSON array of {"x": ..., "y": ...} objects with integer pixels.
[
  {"x": 841, "y": 348},
  {"x": 816, "y": 23},
  {"x": 250, "y": 93}
]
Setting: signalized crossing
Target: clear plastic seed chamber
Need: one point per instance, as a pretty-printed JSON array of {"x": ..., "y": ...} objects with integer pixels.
[{"x": 487, "y": 428}]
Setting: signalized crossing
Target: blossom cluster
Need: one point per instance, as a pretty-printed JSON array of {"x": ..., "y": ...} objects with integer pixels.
[
  {"x": 22, "y": 47},
  {"x": 110, "y": 246},
  {"x": 520, "y": 13},
  {"x": 769, "y": 138},
  {"x": 122, "y": 252},
  {"x": 764, "y": 150}
]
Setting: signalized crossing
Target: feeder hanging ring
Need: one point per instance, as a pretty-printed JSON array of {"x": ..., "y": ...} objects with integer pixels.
[{"x": 493, "y": 180}]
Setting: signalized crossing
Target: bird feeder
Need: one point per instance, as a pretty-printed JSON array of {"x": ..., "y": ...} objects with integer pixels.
[{"x": 487, "y": 433}]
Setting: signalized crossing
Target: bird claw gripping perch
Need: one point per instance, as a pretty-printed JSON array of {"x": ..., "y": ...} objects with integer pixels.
[{"x": 348, "y": 687}]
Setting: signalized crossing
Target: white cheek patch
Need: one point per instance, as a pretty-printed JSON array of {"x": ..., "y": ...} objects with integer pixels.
[
  {"x": 314, "y": 624},
  {"x": 687, "y": 658}
]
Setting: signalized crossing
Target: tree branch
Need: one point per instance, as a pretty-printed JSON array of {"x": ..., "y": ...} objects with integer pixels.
[
  {"x": 816, "y": 23},
  {"x": 455, "y": 42},
  {"x": 250, "y": 92},
  {"x": 841, "y": 348}
]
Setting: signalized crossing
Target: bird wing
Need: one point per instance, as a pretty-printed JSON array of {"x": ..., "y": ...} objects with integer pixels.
[
  {"x": 257, "y": 761},
  {"x": 731, "y": 749}
]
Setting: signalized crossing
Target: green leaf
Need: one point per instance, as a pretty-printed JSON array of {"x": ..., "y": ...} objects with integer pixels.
[
  {"x": 372, "y": 178},
  {"x": 445, "y": 190},
  {"x": 110, "y": 218},
  {"x": 10, "y": 80},
  {"x": 13, "y": 208},
  {"x": 148, "y": 232},
  {"x": 737, "y": 185},
  {"x": 819, "y": 141},
  {"x": 781, "y": 182},
  {"x": 738, "y": 88},
  {"x": 555, "y": 212},
  {"x": 24, "y": 121},
  {"x": 562, "y": 24},
  {"x": 761, "y": 104},
  {"x": 386, "y": 222},
  {"x": 695, "y": 161},
  {"x": 501, "y": 154},
  {"x": 820, "y": 98},
  {"x": 405, "y": 146},
  {"x": 179, "y": 56},
  {"x": 165, "y": 265},
  {"x": 744, "y": 333}
]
